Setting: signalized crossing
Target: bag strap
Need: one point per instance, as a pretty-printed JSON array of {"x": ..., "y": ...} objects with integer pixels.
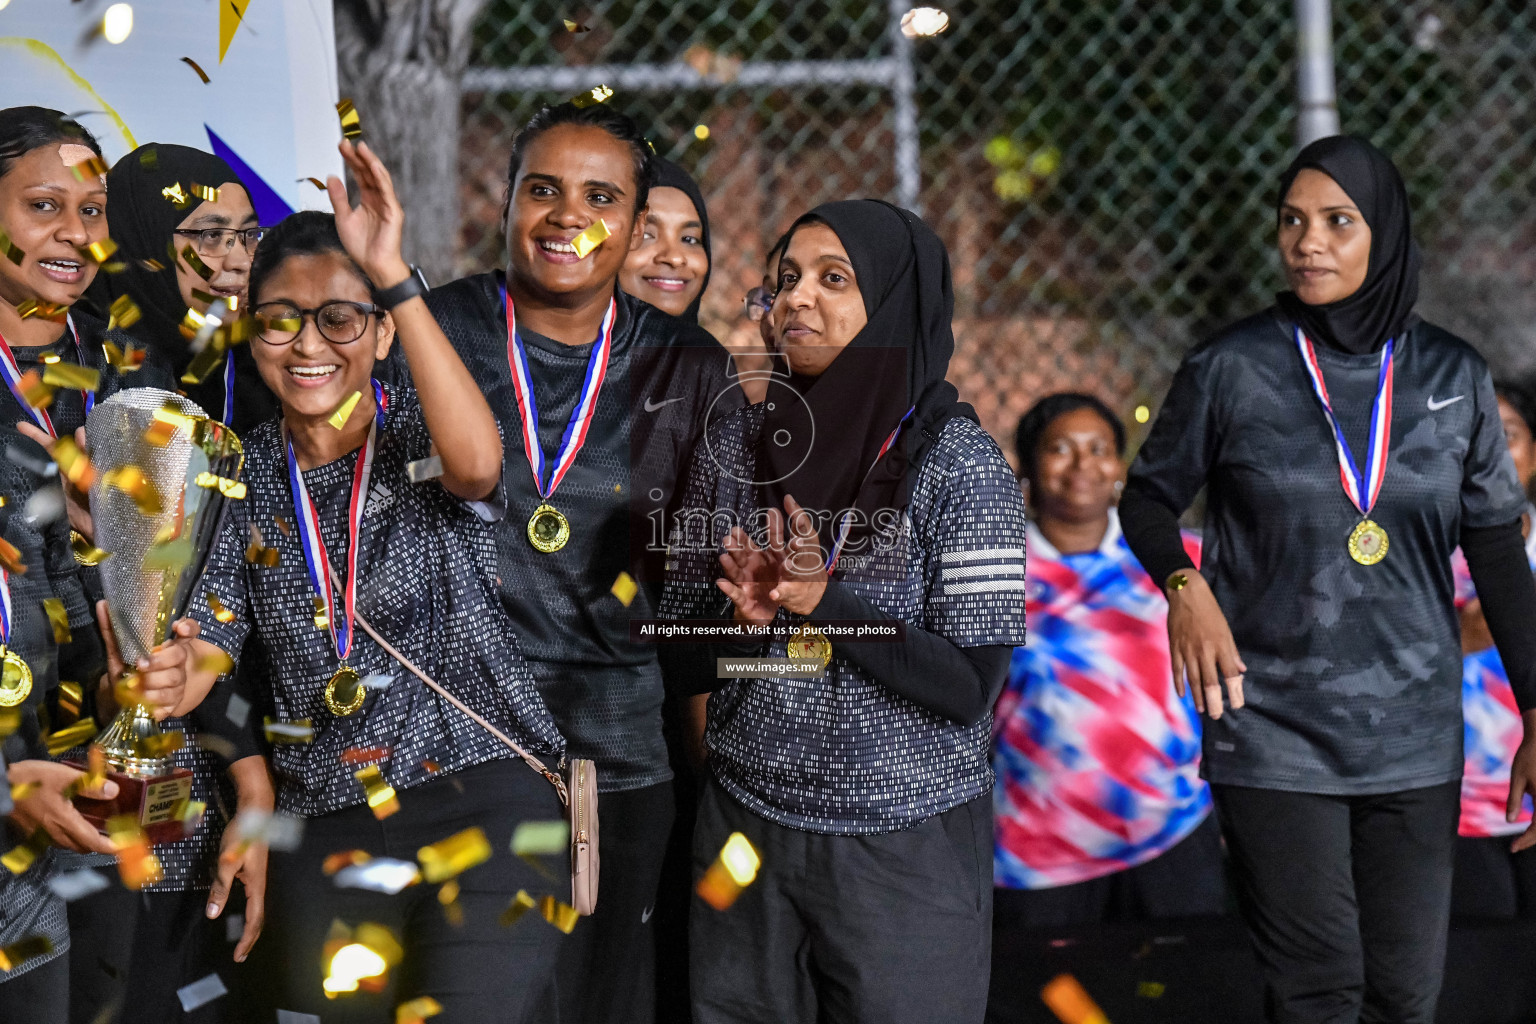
[{"x": 532, "y": 762}]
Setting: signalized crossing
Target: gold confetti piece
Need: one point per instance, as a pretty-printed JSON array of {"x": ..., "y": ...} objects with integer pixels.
[
  {"x": 452, "y": 856},
  {"x": 71, "y": 736},
  {"x": 1069, "y": 1001},
  {"x": 322, "y": 618},
  {"x": 590, "y": 239},
  {"x": 624, "y": 588},
  {"x": 11, "y": 250},
  {"x": 37, "y": 394},
  {"x": 417, "y": 1010},
  {"x": 71, "y": 694},
  {"x": 297, "y": 731},
  {"x": 216, "y": 661},
  {"x": 571, "y": 26},
  {"x": 341, "y": 415},
  {"x": 98, "y": 251},
  {"x": 73, "y": 463},
  {"x": 351, "y": 121},
  {"x": 136, "y": 863},
  {"x": 520, "y": 905},
  {"x": 165, "y": 424},
  {"x": 207, "y": 193},
  {"x": 92, "y": 166},
  {"x": 561, "y": 915},
  {"x": 359, "y": 958},
  {"x": 344, "y": 859},
  {"x": 216, "y": 745},
  {"x": 189, "y": 62},
  {"x": 1150, "y": 989},
  {"x": 198, "y": 266},
  {"x": 20, "y": 858},
  {"x": 132, "y": 482},
  {"x": 733, "y": 870},
  {"x": 29, "y": 948},
  {"x": 219, "y": 611},
  {"x": 204, "y": 363},
  {"x": 448, "y": 896},
  {"x": 176, "y": 194},
  {"x": 22, "y": 790},
  {"x": 123, "y": 313},
  {"x": 96, "y": 768},
  {"x": 423, "y": 470},
  {"x": 592, "y": 97},
  {"x": 58, "y": 618},
  {"x": 10, "y": 557},
  {"x": 162, "y": 745},
  {"x": 42, "y": 310},
  {"x": 153, "y": 266},
  {"x": 315, "y": 182},
  {"x": 149, "y": 156},
  {"x": 431, "y": 765},
  {"x": 282, "y": 524},
  {"x": 68, "y": 375},
  {"x": 225, "y": 486},
  {"x": 10, "y": 721},
  {"x": 381, "y": 795}
]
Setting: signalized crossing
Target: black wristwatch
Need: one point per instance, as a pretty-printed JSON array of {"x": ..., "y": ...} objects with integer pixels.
[{"x": 411, "y": 287}]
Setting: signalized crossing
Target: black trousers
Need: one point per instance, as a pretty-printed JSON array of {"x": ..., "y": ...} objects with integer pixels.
[
  {"x": 607, "y": 966},
  {"x": 101, "y": 932},
  {"x": 1187, "y": 880},
  {"x": 1492, "y": 884},
  {"x": 478, "y": 970},
  {"x": 882, "y": 929},
  {"x": 41, "y": 996},
  {"x": 1347, "y": 899}
]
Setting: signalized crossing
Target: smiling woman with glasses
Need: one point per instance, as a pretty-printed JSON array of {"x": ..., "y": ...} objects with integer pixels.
[
  {"x": 168, "y": 197},
  {"x": 339, "y": 321}
]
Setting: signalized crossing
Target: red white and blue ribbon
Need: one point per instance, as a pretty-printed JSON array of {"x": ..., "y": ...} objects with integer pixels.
[
  {"x": 314, "y": 546},
  {"x": 12, "y": 374},
  {"x": 380, "y": 403},
  {"x": 1363, "y": 486},
  {"x": 846, "y": 522},
  {"x": 229, "y": 387},
  {"x": 5, "y": 608},
  {"x": 546, "y": 474}
]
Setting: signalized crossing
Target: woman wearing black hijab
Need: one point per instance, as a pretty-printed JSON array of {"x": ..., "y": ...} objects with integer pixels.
[
  {"x": 669, "y": 266},
  {"x": 864, "y": 783},
  {"x": 1329, "y": 617},
  {"x": 154, "y": 212}
]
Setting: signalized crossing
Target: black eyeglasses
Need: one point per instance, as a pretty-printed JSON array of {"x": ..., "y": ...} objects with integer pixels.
[
  {"x": 758, "y": 302},
  {"x": 218, "y": 242},
  {"x": 339, "y": 322}
]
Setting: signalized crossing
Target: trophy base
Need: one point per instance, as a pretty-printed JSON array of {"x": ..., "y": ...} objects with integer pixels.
[{"x": 155, "y": 803}]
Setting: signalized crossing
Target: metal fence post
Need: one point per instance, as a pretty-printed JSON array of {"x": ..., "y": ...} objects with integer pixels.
[
  {"x": 909, "y": 173},
  {"x": 1317, "y": 110}
]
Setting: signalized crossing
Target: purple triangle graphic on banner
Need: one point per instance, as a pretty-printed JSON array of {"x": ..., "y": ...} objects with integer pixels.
[{"x": 270, "y": 207}]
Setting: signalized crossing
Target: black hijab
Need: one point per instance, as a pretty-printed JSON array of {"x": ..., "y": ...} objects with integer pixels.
[
  {"x": 142, "y": 221},
  {"x": 822, "y": 434},
  {"x": 1382, "y": 307},
  {"x": 670, "y": 175}
]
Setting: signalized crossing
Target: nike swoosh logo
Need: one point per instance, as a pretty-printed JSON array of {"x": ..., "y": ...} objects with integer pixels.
[
  {"x": 1435, "y": 406},
  {"x": 653, "y": 406},
  {"x": 646, "y": 915}
]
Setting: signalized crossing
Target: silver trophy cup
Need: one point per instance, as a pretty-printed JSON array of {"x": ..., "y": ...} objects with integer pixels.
[{"x": 164, "y": 474}]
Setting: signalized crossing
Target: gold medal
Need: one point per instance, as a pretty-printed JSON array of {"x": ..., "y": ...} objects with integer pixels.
[
  {"x": 344, "y": 693},
  {"x": 548, "y": 530},
  {"x": 809, "y": 644},
  {"x": 84, "y": 551},
  {"x": 1368, "y": 543},
  {"x": 16, "y": 682}
]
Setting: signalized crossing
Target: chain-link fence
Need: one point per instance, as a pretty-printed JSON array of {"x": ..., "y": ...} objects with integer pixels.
[{"x": 1102, "y": 170}]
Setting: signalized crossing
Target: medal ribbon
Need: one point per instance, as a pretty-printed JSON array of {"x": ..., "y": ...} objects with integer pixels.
[
  {"x": 12, "y": 374},
  {"x": 229, "y": 387},
  {"x": 547, "y": 476},
  {"x": 5, "y": 609},
  {"x": 844, "y": 524},
  {"x": 1362, "y": 488},
  {"x": 314, "y": 546}
]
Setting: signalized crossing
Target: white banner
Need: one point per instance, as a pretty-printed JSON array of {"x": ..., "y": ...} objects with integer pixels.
[{"x": 269, "y": 107}]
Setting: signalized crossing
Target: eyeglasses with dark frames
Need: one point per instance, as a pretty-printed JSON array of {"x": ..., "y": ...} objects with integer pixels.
[
  {"x": 218, "y": 242},
  {"x": 339, "y": 322},
  {"x": 758, "y": 302}
]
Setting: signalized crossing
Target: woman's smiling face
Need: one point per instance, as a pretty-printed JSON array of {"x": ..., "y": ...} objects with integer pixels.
[
  {"x": 668, "y": 266},
  {"x": 819, "y": 308},
  {"x": 50, "y": 215}
]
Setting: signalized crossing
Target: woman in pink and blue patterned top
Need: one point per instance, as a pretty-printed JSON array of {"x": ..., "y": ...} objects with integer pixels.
[
  {"x": 1490, "y": 881},
  {"x": 1100, "y": 809}
]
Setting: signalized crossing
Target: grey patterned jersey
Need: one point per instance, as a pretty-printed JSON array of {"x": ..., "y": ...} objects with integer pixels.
[
  {"x": 665, "y": 376},
  {"x": 1354, "y": 671},
  {"x": 427, "y": 582},
  {"x": 841, "y": 754}
]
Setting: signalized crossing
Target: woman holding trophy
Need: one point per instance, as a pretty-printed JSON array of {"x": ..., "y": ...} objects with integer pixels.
[{"x": 377, "y": 501}]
